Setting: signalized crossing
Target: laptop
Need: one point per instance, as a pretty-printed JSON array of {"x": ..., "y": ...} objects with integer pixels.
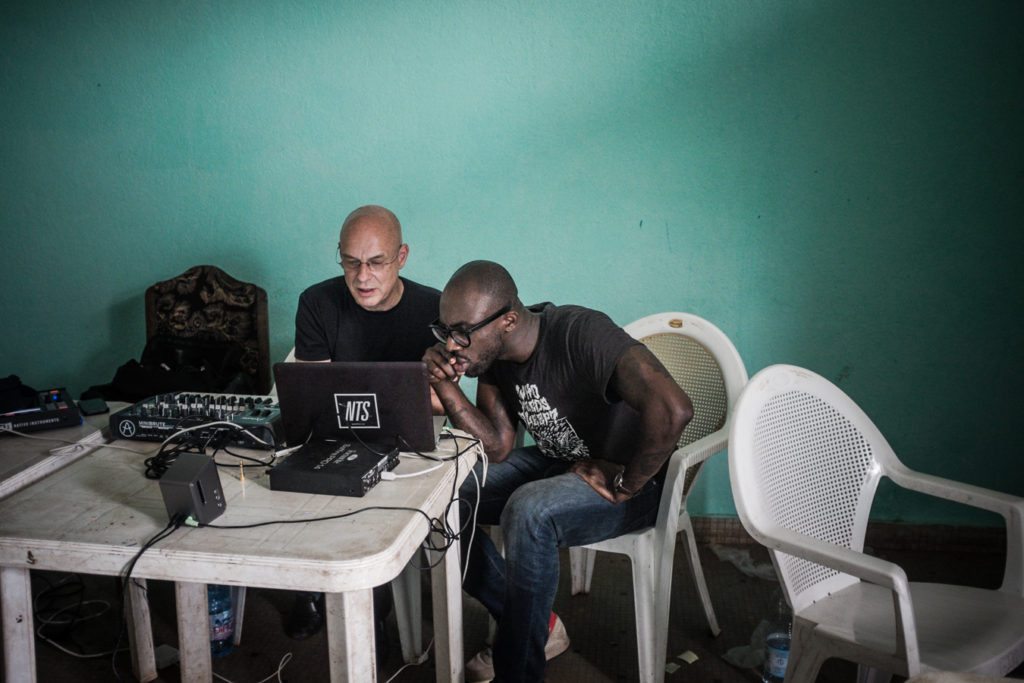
[{"x": 380, "y": 403}]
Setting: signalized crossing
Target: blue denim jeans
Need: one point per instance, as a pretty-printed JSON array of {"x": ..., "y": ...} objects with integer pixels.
[{"x": 541, "y": 508}]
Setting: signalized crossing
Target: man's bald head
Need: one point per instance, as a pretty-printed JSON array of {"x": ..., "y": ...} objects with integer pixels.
[
  {"x": 380, "y": 218},
  {"x": 484, "y": 281},
  {"x": 371, "y": 252}
]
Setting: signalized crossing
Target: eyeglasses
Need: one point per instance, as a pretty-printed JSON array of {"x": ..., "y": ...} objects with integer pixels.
[
  {"x": 376, "y": 264},
  {"x": 460, "y": 335}
]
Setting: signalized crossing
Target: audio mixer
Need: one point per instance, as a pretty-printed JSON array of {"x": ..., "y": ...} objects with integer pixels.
[{"x": 160, "y": 416}]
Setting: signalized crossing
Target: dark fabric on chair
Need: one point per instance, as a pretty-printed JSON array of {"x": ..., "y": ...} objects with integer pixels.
[{"x": 206, "y": 304}]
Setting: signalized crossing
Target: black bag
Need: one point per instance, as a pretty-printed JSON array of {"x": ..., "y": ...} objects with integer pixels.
[
  {"x": 14, "y": 395},
  {"x": 171, "y": 364}
]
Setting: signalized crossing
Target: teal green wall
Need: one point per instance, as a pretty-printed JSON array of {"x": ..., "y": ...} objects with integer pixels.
[{"x": 835, "y": 184}]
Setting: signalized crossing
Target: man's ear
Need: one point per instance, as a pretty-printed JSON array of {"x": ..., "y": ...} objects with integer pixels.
[
  {"x": 403, "y": 254},
  {"x": 510, "y": 320}
]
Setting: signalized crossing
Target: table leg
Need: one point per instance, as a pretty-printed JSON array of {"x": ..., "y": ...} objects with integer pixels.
[
  {"x": 446, "y": 588},
  {"x": 140, "y": 631},
  {"x": 16, "y": 610},
  {"x": 350, "y": 642},
  {"x": 405, "y": 589},
  {"x": 193, "y": 631}
]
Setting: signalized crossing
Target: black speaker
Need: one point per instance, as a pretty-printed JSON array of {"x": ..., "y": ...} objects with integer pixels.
[{"x": 191, "y": 487}]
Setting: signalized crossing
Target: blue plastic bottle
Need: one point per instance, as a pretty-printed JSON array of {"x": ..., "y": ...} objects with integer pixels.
[
  {"x": 222, "y": 620},
  {"x": 776, "y": 646}
]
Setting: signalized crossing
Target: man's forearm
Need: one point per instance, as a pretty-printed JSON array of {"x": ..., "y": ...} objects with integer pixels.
[
  {"x": 467, "y": 417},
  {"x": 644, "y": 465},
  {"x": 659, "y": 442}
]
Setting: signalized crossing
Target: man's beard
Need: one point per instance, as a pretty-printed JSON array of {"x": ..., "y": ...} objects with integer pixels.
[{"x": 483, "y": 364}]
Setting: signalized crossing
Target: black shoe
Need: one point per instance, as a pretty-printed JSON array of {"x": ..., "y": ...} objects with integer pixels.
[{"x": 306, "y": 616}]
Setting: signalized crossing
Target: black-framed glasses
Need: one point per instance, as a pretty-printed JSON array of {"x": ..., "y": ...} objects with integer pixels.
[
  {"x": 460, "y": 335},
  {"x": 376, "y": 264}
]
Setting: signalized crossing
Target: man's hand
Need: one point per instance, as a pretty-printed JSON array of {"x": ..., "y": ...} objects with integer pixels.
[
  {"x": 440, "y": 365},
  {"x": 602, "y": 476}
]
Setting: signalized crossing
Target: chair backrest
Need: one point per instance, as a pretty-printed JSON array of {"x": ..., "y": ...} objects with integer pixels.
[
  {"x": 707, "y": 366},
  {"x": 804, "y": 463},
  {"x": 207, "y": 304},
  {"x": 702, "y": 361}
]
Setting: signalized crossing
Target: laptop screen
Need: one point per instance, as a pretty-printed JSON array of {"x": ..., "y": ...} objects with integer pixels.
[{"x": 383, "y": 403}]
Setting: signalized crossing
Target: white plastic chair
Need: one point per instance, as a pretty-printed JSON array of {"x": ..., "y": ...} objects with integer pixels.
[
  {"x": 804, "y": 464},
  {"x": 707, "y": 366}
]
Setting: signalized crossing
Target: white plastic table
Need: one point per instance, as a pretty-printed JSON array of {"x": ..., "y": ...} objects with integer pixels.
[
  {"x": 25, "y": 459},
  {"x": 93, "y": 515}
]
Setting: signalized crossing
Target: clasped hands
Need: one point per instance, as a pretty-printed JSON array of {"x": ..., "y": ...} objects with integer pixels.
[{"x": 604, "y": 476}]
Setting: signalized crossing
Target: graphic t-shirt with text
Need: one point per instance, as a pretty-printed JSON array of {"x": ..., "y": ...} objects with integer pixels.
[{"x": 562, "y": 393}]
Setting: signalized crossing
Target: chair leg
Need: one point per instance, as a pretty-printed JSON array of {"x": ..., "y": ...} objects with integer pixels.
[
  {"x": 647, "y": 638},
  {"x": 697, "y": 572},
  {"x": 406, "y": 589},
  {"x": 581, "y": 567},
  {"x": 805, "y": 659}
]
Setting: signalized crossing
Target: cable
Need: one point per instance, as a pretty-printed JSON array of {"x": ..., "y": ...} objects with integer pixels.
[
  {"x": 218, "y": 423},
  {"x": 305, "y": 520},
  {"x": 277, "y": 674},
  {"x": 434, "y": 525},
  {"x": 79, "y": 444},
  {"x": 169, "y": 450},
  {"x": 257, "y": 462},
  {"x": 419, "y": 660},
  {"x": 48, "y": 615},
  {"x": 126, "y": 574},
  {"x": 390, "y": 476}
]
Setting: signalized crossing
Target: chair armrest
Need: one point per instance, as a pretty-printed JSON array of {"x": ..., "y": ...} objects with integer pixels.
[
  {"x": 1010, "y": 507},
  {"x": 681, "y": 460},
  {"x": 704, "y": 447},
  {"x": 866, "y": 568}
]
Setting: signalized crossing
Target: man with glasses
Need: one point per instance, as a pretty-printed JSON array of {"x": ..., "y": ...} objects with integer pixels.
[
  {"x": 605, "y": 416},
  {"x": 369, "y": 313}
]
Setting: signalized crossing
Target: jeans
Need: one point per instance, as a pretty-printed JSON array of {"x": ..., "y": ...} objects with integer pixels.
[{"x": 541, "y": 507}]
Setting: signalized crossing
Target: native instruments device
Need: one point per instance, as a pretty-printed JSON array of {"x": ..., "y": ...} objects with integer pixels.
[
  {"x": 158, "y": 417},
  {"x": 51, "y": 409}
]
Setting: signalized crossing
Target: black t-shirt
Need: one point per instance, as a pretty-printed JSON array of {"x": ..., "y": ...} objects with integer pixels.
[
  {"x": 330, "y": 325},
  {"x": 562, "y": 393}
]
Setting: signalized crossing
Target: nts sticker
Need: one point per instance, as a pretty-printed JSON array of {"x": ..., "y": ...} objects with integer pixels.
[{"x": 357, "y": 411}]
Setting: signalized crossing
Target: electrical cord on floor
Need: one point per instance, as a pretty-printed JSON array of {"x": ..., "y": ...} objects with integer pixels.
[
  {"x": 419, "y": 660},
  {"x": 48, "y": 613},
  {"x": 277, "y": 674}
]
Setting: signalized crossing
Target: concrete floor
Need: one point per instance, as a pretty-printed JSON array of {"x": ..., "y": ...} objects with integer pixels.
[{"x": 601, "y": 626}]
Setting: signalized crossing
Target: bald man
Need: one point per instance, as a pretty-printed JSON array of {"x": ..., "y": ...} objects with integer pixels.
[
  {"x": 369, "y": 313},
  {"x": 605, "y": 416}
]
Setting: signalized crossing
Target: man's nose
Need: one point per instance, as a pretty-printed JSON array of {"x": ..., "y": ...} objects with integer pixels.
[{"x": 450, "y": 346}]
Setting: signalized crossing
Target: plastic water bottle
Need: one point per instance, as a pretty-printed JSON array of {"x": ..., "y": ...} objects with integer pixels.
[
  {"x": 776, "y": 643},
  {"x": 222, "y": 620}
]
